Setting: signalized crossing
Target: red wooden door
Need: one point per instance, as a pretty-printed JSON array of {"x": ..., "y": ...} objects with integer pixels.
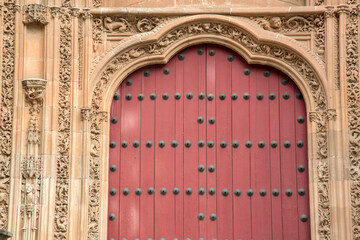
[{"x": 208, "y": 147}]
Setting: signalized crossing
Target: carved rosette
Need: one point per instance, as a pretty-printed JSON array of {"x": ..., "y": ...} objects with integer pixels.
[
  {"x": 320, "y": 117},
  {"x": 7, "y": 107},
  {"x": 35, "y": 13},
  {"x": 64, "y": 115},
  {"x": 353, "y": 103}
]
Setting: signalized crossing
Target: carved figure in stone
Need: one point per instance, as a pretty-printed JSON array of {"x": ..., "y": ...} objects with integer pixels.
[
  {"x": 112, "y": 26},
  {"x": 30, "y": 198},
  {"x": 272, "y": 24}
]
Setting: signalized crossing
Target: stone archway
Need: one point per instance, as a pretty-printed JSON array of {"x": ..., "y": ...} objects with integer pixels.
[{"x": 252, "y": 43}]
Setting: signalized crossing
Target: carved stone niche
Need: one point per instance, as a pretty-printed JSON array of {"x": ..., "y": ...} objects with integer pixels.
[{"x": 5, "y": 234}]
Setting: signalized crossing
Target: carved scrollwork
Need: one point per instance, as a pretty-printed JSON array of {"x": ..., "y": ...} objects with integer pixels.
[{"x": 35, "y": 13}]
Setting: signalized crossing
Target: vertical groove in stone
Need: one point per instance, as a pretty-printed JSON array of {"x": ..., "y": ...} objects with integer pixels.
[
  {"x": 63, "y": 159},
  {"x": 7, "y": 109},
  {"x": 353, "y": 102}
]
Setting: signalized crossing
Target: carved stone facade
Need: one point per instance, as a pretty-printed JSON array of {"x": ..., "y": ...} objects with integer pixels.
[{"x": 54, "y": 132}]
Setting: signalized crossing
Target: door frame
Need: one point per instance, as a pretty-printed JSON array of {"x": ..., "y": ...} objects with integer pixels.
[{"x": 256, "y": 46}]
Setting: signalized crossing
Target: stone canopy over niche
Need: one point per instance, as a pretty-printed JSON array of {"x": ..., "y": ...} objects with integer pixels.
[{"x": 177, "y": 3}]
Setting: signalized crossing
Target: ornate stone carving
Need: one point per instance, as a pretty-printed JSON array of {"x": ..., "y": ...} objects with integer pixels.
[
  {"x": 7, "y": 107},
  {"x": 123, "y": 25},
  {"x": 85, "y": 114},
  {"x": 35, "y": 13},
  {"x": 297, "y": 24},
  {"x": 33, "y": 88},
  {"x": 319, "y": 2},
  {"x": 353, "y": 103},
  {"x": 97, "y": 29},
  {"x": 54, "y": 11},
  {"x": 96, "y": 3},
  {"x": 63, "y": 160},
  {"x": 31, "y": 164},
  {"x": 321, "y": 116}
]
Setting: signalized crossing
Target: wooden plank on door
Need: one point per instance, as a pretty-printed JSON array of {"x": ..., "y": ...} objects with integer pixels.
[
  {"x": 179, "y": 136},
  {"x": 114, "y": 161},
  {"x": 202, "y": 137},
  {"x": 147, "y": 172},
  {"x": 211, "y": 151},
  {"x": 302, "y": 159},
  {"x": 275, "y": 146},
  {"x": 260, "y": 165},
  {"x": 130, "y": 158},
  {"x": 164, "y": 152},
  {"x": 241, "y": 154},
  {"x": 288, "y": 160},
  {"x": 223, "y": 139},
  {"x": 191, "y": 111}
]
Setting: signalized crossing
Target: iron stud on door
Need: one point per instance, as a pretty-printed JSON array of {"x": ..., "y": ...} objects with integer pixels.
[
  {"x": 176, "y": 191},
  {"x": 117, "y": 96},
  {"x": 201, "y": 191},
  {"x": 151, "y": 191},
  {"x": 237, "y": 192},
  {"x": 129, "y": 82},
  {"x": 138, "y": 191},
  {"x": 212, "y": 191}
]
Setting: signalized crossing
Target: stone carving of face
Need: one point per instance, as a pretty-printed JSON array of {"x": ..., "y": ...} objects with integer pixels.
[{"x": 275, "y": 22}]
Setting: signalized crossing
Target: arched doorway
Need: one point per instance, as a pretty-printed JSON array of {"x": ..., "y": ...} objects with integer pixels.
[{"x": 208, "y": 147}]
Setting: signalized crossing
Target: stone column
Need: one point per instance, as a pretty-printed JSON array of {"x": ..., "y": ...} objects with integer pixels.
[{"x": 31, "y": 166}]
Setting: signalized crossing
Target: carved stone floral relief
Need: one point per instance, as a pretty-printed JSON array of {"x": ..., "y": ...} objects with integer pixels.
[
  {"x": 7, "y": 107},
  {"x": 353, "y": 103},
  {"x": 63, "y": 160},
  {"x": 320, "y": 117}
]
